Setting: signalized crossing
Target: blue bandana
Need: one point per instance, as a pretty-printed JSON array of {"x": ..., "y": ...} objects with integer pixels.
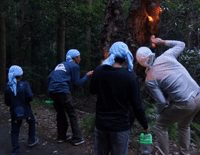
[
  {"x": 71, "y": 54},
  {"x": 119, "y": 49},
  {"x": 12, "y": 81}
]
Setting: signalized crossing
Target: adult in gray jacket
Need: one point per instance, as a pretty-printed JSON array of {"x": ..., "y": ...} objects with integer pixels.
[{"x": 165, "y": 74}]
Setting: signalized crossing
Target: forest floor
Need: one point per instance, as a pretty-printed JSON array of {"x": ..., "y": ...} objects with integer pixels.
[{"x": 45, "y": 117}]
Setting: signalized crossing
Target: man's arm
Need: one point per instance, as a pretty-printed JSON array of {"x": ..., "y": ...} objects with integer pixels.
[
  {"x": 76, "y": 77},
  {"x": 136, "y": 103},
  {"x": 176, "y": 46},
  {"x": 158, "y": 96}
]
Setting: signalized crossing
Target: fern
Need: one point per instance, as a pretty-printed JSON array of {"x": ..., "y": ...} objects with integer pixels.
[{"x": 88, "y": 124}]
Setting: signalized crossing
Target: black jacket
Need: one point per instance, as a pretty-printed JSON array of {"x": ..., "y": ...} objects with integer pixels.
[{"x": 117, "y": 90}]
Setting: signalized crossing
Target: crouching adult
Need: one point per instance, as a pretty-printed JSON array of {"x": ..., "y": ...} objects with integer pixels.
[{"x": 165, "y": 74}]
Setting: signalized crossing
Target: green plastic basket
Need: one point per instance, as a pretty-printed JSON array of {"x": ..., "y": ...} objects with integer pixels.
[
  {"x": 145, "y": 138},
  {"x": 49, "y": 101}
]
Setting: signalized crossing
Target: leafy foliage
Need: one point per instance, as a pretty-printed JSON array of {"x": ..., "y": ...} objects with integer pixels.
[
  {"x": 195, "y": 133},
  {"x": 88, "y": 124},
  {"x": 190, "y": 59}
]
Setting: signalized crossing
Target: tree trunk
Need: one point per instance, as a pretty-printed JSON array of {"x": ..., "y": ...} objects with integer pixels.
[
  {"x": 61, "y": 41},
  {"x": 2, "y": 52},
  {"x": 88, "y": 41},
  {"x": 112, "y": 25},
  {"x": 189, "y": 32},
  {"x": 139, "y": 28},
  {"x": 20, "y": 34}
]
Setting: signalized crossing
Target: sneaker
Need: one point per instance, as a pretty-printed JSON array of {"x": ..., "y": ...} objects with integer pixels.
[
  {"x": 33, "y": 143},
  {"x": 68, "y": 137},
  {"x": 14, "y": 153},
  {"x": 79, "y": 142}
]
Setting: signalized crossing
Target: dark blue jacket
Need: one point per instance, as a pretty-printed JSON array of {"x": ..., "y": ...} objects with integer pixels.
[
  {"x": 20, "y": 104},
  {"x": 65, "y": 73}
]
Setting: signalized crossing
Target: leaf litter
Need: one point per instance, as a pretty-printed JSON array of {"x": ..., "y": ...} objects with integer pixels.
[{"x": 46, "y": 123}]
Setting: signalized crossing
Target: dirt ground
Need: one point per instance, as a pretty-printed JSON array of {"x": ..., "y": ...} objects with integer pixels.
[{"x": 46, "y": 131}]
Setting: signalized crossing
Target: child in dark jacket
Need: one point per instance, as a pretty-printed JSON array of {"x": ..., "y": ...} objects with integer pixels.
[{"x": 18, "y": 96}]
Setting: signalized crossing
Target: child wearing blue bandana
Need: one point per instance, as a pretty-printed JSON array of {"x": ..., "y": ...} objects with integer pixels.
[
  {"x": 18, "y": 96},
  {"x": 59, "y": 89}
]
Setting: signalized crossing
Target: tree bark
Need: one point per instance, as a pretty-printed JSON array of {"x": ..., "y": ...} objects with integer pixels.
[
  {"x": 61, "y": 40},
  {"x": 88, "y": 41},
  {"x": 189, "y": 32},
  {"x": 2, "y": 51},
  {"x": 139, "y": 28},
  {"x": 20, "y": 34},
  {"x": 112, "y": 25}
]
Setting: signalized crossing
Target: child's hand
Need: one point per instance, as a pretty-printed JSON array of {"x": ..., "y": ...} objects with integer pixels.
[{"x": 90, "y": 73}]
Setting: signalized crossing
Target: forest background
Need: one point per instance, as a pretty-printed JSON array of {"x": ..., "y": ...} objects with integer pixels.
[{"x": 36, "y": 34}]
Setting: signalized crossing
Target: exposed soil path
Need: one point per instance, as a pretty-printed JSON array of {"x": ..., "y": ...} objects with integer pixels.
[{"x": 46, "y": 131}]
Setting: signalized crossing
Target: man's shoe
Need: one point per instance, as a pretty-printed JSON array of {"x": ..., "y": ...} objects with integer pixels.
[
  {"x": 79, "y": 142},
  {"x": 14, "y": 153},
  {"x": 68, "y": 137},
  {"x": 33, "y": 143}
]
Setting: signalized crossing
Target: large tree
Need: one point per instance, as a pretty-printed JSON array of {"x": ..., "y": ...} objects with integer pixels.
[
  {"x": 2, "y": 51},
  {"x": 141, "y": 23},
  {"x": 88, "y": 40},
  {"x": 20, "y": 32},
  {"x": 112, "y": 25}
]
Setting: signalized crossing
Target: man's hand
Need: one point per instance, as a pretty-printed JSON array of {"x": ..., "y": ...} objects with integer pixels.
[
  {"x": 158, "y": 41},
  {"x": 90, "y": 73}
]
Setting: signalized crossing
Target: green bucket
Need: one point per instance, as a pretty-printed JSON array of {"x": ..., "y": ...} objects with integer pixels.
[
  {"x": 145, "y": 143},
  {"x": 145, "y": 138},
  {"x": 49, "y": 101}
]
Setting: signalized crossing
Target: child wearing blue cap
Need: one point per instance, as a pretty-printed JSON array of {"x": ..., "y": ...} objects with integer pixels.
[{"x": 18, "y": 96}]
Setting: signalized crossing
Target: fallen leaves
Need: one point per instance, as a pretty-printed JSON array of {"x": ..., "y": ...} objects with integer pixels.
[{"x": 46, "y": 124}]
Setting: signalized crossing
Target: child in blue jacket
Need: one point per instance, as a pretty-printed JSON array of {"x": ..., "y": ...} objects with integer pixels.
[{"x": 18, "y": 96}]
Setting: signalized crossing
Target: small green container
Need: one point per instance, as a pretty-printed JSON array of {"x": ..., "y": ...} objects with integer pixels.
[
  {"x": 145, "y": 143},
  {"x": 49, "y": 101}
]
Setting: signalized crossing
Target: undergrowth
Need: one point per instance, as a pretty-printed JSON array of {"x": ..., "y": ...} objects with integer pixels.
[{"x": 88, "y": 125}]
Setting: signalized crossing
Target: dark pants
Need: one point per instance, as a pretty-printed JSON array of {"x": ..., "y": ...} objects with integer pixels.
[
  {"x": 114, "y": 142},
  {"x": 15, "y": 124},
  {"x": 64, "y": 106}
]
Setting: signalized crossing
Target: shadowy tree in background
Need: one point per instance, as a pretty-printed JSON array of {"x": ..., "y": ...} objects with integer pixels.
[
  {"x": 36, "y": 23},
  {"x": 112, "y": 25},
  {"x": 88, "y": 39},
  {"x": 2, "y": 50},
  {"x": 61, "y": 34},
  {"x": 20, "y": 32}
]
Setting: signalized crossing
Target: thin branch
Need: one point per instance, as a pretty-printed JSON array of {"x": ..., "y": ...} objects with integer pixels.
[
  {"x": 103, "y": 2},
  {"x": 174, "y": 16},
  {"x": 31, "y": 22}
]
